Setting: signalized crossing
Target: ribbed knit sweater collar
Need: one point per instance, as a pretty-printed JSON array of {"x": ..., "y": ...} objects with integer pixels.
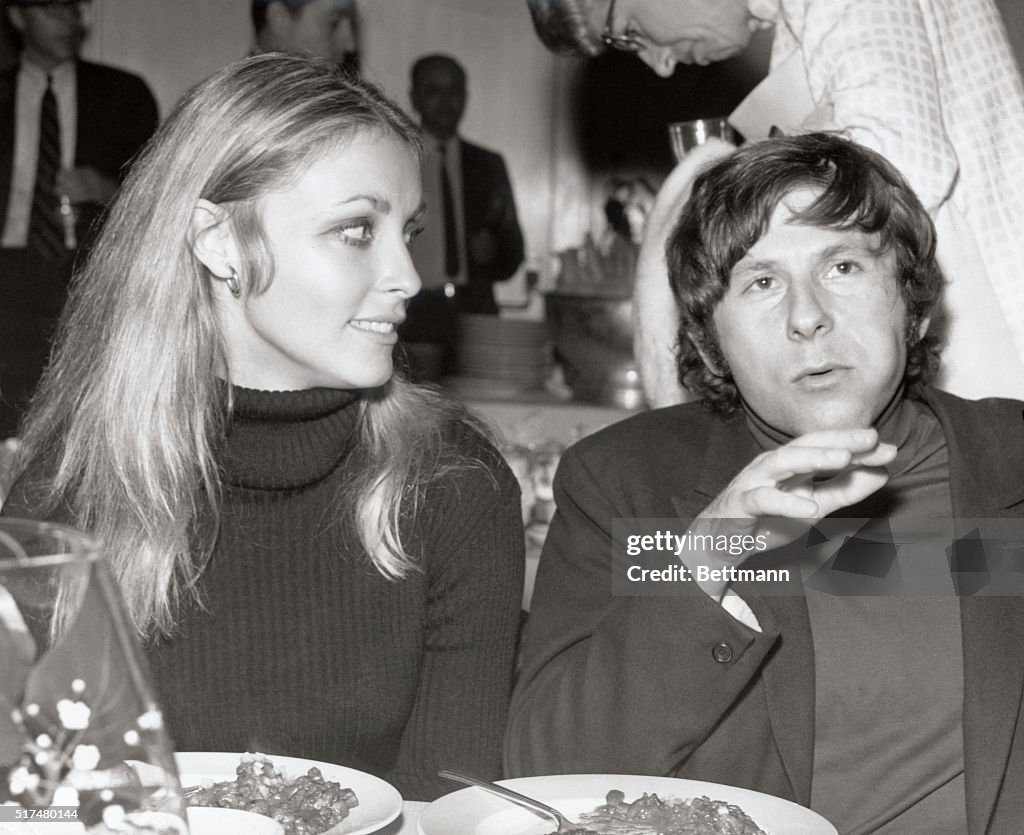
[{"x": 279, "y": 440}]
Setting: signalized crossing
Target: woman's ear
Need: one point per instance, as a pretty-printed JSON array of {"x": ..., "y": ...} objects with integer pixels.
[{"x": 212, "y": 239}]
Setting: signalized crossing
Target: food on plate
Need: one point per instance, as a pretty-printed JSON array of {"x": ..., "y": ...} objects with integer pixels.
[
  {"x": 306, "y": 805},
  {"x": 650, "y": 815}
]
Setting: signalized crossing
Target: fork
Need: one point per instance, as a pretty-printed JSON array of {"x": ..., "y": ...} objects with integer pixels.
[{"x": 564, "y": 824}]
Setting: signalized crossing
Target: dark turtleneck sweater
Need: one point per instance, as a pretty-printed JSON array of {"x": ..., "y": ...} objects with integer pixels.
[
  {"x": 888, "y": 658},
  {"x": 304, "y": 649}
]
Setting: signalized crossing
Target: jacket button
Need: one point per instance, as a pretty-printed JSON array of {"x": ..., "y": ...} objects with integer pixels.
[{"x": 722, "y": 653}]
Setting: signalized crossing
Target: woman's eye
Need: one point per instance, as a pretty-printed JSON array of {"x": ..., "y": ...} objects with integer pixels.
[
  {"x": 411, "y": 234},
  {"x": 357, "y": 232},
  {"x": 763, "y": 282}
]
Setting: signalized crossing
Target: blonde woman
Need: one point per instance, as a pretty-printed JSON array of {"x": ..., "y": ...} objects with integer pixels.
[{"x": 324, "y": 560}]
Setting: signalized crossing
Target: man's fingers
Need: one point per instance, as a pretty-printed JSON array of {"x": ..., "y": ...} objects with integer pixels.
[
  {"x": 880, "y": 456},
  {"x": 853, "y": 440},
  {"x": 822, "y": 452},
  {"x": 771, "y": 501},
  {"x": 791, "y": 461}
]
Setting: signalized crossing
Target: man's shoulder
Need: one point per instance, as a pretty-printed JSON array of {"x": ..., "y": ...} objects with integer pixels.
[
  {"x": 105, "y": 75},
  {"x": 478, "y": 153},
  {"x": 990, "y": 416},
  {"x": 985, "y": 440}
]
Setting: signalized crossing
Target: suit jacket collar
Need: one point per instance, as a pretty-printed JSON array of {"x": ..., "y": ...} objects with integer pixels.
[
  {"x": 985, "y": 441},
  {"x": 986, "y": 452}
]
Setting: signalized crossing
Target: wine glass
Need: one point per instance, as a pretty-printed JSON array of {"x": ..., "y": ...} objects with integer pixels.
[
  {"x": 81, "y": 734},
  {"x": 685, "y": 136}
]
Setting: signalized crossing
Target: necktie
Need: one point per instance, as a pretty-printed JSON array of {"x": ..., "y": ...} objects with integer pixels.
[
  {"x": 451, "y": 240},
  {"x": 46, "y": 229}
]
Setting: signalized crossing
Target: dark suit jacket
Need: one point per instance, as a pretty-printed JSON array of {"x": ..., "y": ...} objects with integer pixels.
[
  {"x": 631, "y": 685},
  {"x": 488, "y": 203},
  {"x": 116, "y": 116}
]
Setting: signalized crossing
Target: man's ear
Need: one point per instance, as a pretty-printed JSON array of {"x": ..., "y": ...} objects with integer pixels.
[{"x": 212, "y": 239}]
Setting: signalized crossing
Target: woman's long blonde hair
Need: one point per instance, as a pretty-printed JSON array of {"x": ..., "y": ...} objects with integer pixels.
[{"x": 122, "y": 428}]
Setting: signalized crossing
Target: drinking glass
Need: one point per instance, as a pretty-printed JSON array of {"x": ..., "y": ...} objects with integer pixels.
[
  {"x": 81, "y": 733},
  {"x": 685, "y": 136}
]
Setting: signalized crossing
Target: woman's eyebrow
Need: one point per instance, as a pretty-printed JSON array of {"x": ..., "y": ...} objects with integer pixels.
[{"x": 379, "y": 202}]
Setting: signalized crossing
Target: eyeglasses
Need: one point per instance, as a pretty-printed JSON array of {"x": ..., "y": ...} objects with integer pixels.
[{"x": 630, "y": 41}]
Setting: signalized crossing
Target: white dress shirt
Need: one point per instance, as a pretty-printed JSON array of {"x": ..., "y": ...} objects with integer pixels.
[{"x": 428, "y": 252}]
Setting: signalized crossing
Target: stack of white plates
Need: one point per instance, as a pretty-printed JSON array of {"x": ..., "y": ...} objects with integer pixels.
[{"x": 501, "y": 356}]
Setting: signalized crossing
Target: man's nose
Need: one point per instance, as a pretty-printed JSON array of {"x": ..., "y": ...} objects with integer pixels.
[
  {"x": 660, "y": 59},
  {"x": 808, "y": 312}
]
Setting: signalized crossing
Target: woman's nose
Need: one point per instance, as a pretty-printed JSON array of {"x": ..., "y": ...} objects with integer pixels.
[{"x": 402, "y": 278}]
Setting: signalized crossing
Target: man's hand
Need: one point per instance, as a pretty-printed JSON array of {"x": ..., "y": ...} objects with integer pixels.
[
  {"x": 781, "y": 493},
  {"x": 86, "y": 185},
  {"x": 655, "y": 315}
]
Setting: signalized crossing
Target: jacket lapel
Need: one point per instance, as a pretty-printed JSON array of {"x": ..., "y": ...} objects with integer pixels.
[
  {"x": 788, "y": 674},
  {"x": 986, "y": 452},
  {"x": 993, "y": 635}
]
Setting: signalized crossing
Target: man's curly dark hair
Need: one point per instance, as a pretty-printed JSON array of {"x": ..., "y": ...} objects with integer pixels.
[{"x": 730, "y": 209}]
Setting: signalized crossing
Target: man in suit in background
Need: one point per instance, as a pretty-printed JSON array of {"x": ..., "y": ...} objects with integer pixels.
[
  {"x": 325, "y": 28},
  {"x": 472, "y": 238},
  {"x": 68, "y": 129}
]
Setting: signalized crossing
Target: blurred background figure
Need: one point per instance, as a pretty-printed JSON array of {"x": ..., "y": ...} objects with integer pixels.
[
  {"x": 68, "y": 129},
  {"x": 472, "y": 237},
  {"x": 903, "y": 77},
  {"x": 323, "y": 28}
]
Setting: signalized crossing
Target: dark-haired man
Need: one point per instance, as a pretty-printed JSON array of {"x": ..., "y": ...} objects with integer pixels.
[
  {"x": 880, "y": 681},
  {"x": 324, "y": 28},
  {"x": 68, "y": 129},
  {"x": 899, "y": 76}
]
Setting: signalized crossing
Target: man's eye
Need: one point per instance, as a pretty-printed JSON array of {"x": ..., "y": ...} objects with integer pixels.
[
  {"x": 763, "y": 282},
  {"x": 357, "y": 232},
  {"x": 844, "y": 268}
]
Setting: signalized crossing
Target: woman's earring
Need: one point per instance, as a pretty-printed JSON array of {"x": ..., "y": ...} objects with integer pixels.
[{"x": 234, "y": 285}]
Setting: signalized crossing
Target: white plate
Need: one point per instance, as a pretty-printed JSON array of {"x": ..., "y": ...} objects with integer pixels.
[
  {"x": 379, "y": 802},
  {"x": 474, "y": 811},
  {"x": 206, "y": 820}
]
